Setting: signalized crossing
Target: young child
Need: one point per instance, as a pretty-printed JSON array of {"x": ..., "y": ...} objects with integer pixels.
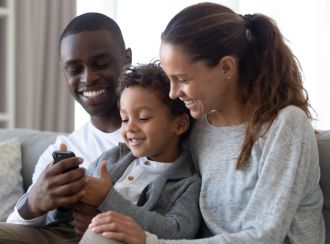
[{"x": 151, "y": 177}]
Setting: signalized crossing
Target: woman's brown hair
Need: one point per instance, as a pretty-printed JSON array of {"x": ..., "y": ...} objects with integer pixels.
[{"x": 269, "y": 74}]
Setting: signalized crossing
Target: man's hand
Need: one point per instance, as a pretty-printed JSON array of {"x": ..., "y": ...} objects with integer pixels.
[
  {"x": 113, "y": 225},
  {"x": 54, "y": 188},
  {"x": 96, "y": 189},
  {"x": 83, "y": 215}
]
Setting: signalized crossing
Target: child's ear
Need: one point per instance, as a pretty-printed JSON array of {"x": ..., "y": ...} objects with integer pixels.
[{"x": 182, "y": 124}]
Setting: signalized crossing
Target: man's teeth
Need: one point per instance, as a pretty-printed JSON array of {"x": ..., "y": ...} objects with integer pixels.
[{"x": 93, "y": 94}]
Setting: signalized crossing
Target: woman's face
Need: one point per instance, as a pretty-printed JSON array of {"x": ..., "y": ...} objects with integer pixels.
[{"x": 202, "y": 88}]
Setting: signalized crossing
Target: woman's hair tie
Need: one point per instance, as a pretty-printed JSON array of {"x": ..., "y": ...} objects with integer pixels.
[
  {"x": 248, "y": 20},
  {"x": 248, "y": 25}
]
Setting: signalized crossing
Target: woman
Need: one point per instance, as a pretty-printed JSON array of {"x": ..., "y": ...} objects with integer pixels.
[{"x": 253, "y": 140}]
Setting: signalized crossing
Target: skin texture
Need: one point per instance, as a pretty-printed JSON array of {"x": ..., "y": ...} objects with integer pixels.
[
  {"x": 203, "y": 88},
  {"x": 92, "y": 62}
]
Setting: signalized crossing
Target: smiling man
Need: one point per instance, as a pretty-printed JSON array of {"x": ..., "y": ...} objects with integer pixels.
[{"x": 93, "y": 54}]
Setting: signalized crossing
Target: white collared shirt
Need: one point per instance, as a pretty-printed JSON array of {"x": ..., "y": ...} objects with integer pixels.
[{"x": 140, "y": 173}]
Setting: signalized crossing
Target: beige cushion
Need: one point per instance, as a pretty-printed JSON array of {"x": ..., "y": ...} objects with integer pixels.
[{"x": 11, "y": 184}]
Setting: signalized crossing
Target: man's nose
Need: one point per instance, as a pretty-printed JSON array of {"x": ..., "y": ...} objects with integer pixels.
[{"x": 89, "y": 76}]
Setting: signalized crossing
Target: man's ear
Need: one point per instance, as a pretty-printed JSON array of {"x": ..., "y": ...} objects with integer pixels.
[
  {"x": 228, "y": 66},
  {"x": 182, "y": 124},
  {"x": 128, "y": 56}
]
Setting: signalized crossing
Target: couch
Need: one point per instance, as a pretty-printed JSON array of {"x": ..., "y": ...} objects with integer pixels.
[{"x": 34, "y": 142}]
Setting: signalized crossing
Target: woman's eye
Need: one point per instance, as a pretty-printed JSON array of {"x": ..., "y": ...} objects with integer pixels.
[{"x": 183, "y": 81}]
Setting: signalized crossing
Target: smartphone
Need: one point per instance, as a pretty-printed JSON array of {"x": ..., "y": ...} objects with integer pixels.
[{"x": 60, "y": 155}]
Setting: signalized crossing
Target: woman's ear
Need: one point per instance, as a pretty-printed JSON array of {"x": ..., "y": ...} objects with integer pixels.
[
  {"x": 182, "y": 124},
  {"x": 228, "y": 66}
]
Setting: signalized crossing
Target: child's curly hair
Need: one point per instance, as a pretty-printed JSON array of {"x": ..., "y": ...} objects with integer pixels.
[{"x": 153, "y": 77}]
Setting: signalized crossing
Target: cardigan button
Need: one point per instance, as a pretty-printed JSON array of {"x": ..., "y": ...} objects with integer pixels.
[{"x": 130, "y": 178}]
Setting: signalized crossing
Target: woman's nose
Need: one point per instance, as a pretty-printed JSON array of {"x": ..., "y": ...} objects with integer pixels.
[{"x": 174, "y": 91}]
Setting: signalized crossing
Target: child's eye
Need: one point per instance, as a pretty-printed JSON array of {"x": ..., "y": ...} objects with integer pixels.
[
  {"x": 123, "y": 121},
  {"x": 144, "y": 119}
]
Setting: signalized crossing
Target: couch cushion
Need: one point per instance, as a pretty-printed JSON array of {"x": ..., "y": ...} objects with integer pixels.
[
  {"x": 10, "y": 176},
  {"x": 324, "y": 152},
  {"x": 33, "y": 143}
]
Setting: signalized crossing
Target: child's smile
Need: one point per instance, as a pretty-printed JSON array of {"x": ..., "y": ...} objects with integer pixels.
[{"x": 148, "y": 127}]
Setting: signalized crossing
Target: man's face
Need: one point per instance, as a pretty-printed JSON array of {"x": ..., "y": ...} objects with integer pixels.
[{"x": 92, "y": 63}]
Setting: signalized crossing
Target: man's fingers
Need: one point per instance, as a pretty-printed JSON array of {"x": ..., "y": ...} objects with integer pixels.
[
  {"x": 72, "y": 176},
  {"x": 69, "y": 200},
  {"x": 63, "y": 166},
  {"x": 70, "y": 188}
]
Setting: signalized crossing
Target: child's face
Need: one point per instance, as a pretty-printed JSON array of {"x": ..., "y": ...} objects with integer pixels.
[{"x": 148, "y": 127}]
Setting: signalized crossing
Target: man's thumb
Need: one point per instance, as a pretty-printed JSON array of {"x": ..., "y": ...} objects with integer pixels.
[{"x": 63, "y": 147}]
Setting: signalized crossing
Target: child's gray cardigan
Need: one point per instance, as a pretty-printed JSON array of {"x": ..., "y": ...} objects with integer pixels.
[{"x": 167, "y": 207}]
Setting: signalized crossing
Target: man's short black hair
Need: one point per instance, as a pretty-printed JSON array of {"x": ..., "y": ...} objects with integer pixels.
[{"x": 94, "y": 22}]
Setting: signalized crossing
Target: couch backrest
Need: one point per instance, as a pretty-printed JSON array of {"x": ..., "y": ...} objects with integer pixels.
[
  {"x": 33, "y": 143},
  {"x": 324, "y": 152}
]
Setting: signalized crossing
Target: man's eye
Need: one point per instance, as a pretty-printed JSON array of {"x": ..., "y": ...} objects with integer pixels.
[
  {"x": 101, "y": 63},
  {"x": 73, "y": 70}
]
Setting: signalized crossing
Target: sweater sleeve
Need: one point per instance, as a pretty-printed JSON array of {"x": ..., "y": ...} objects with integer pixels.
[
  {"x": 286, "y": 193},
  {"x": 181, "y": 221}
]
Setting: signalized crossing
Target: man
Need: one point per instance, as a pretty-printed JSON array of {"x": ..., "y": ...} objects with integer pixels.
[{"x": 93, "y": 55}]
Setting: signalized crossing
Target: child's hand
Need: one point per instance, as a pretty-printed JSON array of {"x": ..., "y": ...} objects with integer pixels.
[
  {"x": 96, "y": 189},
  {"x": 113, "y": 225}
]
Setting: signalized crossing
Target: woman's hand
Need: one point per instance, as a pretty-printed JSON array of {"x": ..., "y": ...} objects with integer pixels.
[
  {"x": 113, "y": 225},
  {"x": 96, "y": 189}
]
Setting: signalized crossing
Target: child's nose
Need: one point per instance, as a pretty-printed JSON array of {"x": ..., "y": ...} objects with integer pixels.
[{"x": 131, "y": 126}]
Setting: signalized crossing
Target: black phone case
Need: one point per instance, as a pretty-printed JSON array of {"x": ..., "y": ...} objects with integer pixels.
[{"x": 60, "y": 155}]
